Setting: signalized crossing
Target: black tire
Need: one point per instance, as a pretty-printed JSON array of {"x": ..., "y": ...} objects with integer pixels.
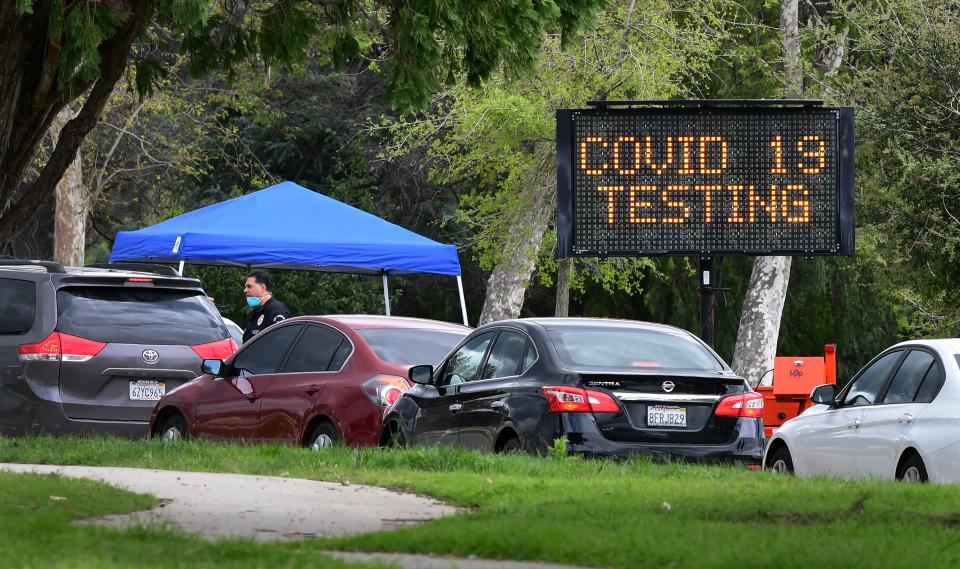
[
  {"x": 913, "y": 470},
  {"x": 173, "y": 428},
  {"x": 394, "y": 436},
  {"x": 780, "y": 462},
  {"x": 511, "y": 446},
  {"x": 323, "y": 436}
]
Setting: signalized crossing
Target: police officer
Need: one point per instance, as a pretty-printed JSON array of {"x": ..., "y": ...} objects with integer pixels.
[{"x": 266, "y": 309}]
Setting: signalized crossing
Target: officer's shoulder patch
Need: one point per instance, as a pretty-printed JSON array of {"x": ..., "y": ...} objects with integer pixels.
[{"x": 279, "y": 317}]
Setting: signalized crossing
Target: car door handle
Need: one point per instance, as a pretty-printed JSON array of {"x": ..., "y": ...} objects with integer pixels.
[
  {"x": 855, "y": 424},
  {"x": 311, "y": 389},
  {"x": 251, "y": 397},
  {"x": 906, "y": 418},
  {"x": 455, "y": 407},
  {"x": 497, "y": 404}
]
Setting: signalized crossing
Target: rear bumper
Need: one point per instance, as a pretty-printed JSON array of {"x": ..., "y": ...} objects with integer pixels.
[
  {"x": 24, "y": 412},
  {"x": 584, "y": 437}
]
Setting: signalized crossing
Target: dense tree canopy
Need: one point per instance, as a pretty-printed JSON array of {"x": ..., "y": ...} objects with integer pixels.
[{"x": 59, "y": 51}]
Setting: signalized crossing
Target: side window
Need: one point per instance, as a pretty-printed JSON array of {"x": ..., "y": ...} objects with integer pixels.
[
  {"x": 462, "y": 365},
  {"x": 907, "y": 382},
  {"x": 265, "y": 354},
  {"x": 341, "y": 355},
  {"x": 868, "y": 384},
  {"x": 931, "y": 385},
  {"x": 529, "y": 358},
  {"x": 505, "y": 356},
  {"x": 315, "y": 350},
  {"x": 18, "y": 305}
]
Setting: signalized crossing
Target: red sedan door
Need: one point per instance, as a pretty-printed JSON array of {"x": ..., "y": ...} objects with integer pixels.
[
  {"x": 229, "y": 407},
  {"x": 298, "y": 389}
]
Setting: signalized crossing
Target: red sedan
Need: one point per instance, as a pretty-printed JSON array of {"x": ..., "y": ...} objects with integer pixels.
[{"x": 312, "y": 380}]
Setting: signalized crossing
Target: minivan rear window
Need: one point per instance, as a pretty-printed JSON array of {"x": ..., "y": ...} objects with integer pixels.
[
  {"x": 139, "y": 316},
  {"x": 18, "y": 306}
]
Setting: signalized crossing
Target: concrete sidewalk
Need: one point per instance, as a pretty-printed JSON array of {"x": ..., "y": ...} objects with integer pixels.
[{"x": 265, "y": 508}]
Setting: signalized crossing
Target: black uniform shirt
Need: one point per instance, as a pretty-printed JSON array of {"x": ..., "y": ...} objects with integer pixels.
[{"x": 270, "y": 312}]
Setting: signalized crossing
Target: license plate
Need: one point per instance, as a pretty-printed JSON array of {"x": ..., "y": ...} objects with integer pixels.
[
  {"x": 145, "y": 390},
  {"x": 660, "y": 416}
]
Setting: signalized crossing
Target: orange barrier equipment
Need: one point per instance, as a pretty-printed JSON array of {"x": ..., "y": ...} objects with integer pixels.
[{"x": 793, "y": 380}]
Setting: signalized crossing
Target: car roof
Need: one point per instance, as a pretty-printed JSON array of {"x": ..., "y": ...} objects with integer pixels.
[
  {"x": 68, "y": 270},
  {"x": 944, "y": 344},
  {"x": 375, "y": 321},
  {"x": 560, "y": 323}
]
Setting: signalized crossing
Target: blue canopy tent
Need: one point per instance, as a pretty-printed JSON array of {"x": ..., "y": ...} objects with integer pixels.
[{"x": 287, "y": 226}]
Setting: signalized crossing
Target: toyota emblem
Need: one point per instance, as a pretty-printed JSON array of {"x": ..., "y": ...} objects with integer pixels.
[
  {"x": 150, "y": 356},
  {"x": 667, "y": 386}
]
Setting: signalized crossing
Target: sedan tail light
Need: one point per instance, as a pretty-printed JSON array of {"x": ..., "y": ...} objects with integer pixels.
[
  {"x": 384, "y": 390},
  {"x": 563, "y": 399},
  {"x": 742, "y": 405},
  {"x": 219, "y": 350},
  {"x": 60, "y": 347}
]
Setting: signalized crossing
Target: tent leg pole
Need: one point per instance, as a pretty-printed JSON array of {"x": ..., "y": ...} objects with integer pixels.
[
  {"x": 181, "y": 268},
  {"x": 386, "y": 293},
  {"x": 463, "y": 302}
]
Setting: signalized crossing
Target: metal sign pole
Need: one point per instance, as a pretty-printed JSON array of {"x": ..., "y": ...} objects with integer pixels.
[
  {"x": 386, "y": 293},
  {"x": 463, "y": 302},
  {"x": 708, "y": 285}
]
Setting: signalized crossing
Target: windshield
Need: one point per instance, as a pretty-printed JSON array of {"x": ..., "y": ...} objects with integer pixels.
[
  {"x": 634, "y": 348},
  {"x": 411, "y": 346}
]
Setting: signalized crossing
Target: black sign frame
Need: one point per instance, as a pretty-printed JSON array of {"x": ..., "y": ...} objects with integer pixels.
[{"x": 843, "y": 152}]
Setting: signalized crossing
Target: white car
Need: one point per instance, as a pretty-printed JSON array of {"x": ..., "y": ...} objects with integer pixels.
[{"x": 899, "y": 418}]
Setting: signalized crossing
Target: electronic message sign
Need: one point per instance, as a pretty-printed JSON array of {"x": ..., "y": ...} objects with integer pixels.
[{"x": 705, "y": 180}]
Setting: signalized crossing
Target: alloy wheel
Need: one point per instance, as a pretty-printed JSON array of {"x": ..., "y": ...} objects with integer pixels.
[
  {"x": 321, "y": 442},
  {"x": 912, "y": 475},
  {"x": 779, "y": 466}
]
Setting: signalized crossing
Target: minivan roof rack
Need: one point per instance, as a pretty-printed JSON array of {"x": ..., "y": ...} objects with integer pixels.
[
  {"x": 125, "y": 266},
  {"x": 50, "y": 266}
]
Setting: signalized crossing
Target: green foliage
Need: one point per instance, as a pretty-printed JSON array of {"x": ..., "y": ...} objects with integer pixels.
[
  {"x": 24, "y": 6},
  {"x": 83, "y": 29},
  {"x": 436, "y": 41},
  {"x": 908, "y": 164},
  {"x": 497, "y": 144}
]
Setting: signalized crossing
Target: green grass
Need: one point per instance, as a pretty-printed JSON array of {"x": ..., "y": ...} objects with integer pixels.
[{"x": 591, "y": 513}]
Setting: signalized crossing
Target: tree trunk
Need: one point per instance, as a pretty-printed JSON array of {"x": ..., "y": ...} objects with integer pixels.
[
  {"x": 760, "y": 319},
  {"x": 509, "y": 279},
  {"x": 564, "y": 267},
  {"x": 32, "y": 93},
  {"x": 72, "y": 204},
  {"x": 762, "y": 310}
]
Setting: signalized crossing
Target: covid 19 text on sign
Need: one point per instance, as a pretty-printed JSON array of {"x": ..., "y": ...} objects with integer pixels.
[{"x": 705, "y": 181}]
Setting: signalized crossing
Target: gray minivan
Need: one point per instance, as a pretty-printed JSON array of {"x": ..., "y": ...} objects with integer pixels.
[{"x": 92, "y": 349}]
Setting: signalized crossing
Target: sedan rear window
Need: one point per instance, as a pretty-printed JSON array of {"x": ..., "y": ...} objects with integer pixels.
[
  {"x": 411, "y": 346},
  {"x": 626, "y": 348},
  {"x": 139, "y": 316}
]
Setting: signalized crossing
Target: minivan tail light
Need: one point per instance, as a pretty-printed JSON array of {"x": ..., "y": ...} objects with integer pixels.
[
  {"x": 742, "y": 405},
  {"x": 60, "y": 347},
  {"x": 384, "y": 390},
  {"x": 219, "y": 350},
  {"x": 564, "y": 399}
]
